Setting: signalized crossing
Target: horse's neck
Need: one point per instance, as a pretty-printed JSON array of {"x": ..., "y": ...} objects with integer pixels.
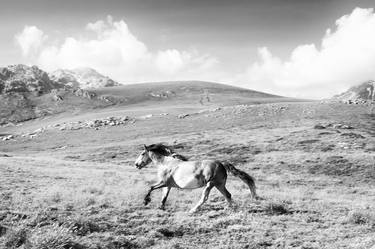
[{"x": 164, "y": 161}]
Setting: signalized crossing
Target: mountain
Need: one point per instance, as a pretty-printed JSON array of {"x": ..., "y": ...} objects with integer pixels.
[
  {"x": 22, "y": 78},
  {"x": 85, "y": 78},
  {"x": 28, "y": 92},
  {"x": 361, "y": 93}
]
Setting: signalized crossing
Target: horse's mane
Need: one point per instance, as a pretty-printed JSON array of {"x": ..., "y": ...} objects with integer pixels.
[{"x": 164, "y": 150}]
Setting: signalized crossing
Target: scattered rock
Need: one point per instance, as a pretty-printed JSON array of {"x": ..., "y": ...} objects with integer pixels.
[
  {"x": 341, "y": 126},
  {"x": 319, "y": 127},
  {"x": 332, "y": 125},
  {"x": 181, "y": 116},
  {"x": 95, "y": 124},
  {"x": 8, "y": 137}
]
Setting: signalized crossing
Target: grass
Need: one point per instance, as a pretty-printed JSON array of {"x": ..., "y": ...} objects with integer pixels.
[{"x": 80, "y": 197}]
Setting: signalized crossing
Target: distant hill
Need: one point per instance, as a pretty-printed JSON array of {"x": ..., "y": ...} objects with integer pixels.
[
  {"x": 195, "y": 92},
  {"x": 85, "y": 78},
  {"x": 361, "y": 93}
]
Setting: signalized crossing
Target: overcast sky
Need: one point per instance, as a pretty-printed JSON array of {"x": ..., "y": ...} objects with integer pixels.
[{"x": 296, "y": 48}]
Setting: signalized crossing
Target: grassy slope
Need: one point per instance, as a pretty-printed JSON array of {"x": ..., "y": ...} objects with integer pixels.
[
  {"x": 185, "y": 95},
  {"x": 317, "y": 185},
  {"x": 189, "y": 92}
]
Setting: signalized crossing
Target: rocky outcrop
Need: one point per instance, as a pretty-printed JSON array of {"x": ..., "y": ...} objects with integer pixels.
[
  {"x": 82, "y": 78},
  {"x": 22, "y": 78},
  {"x": 27, "y": 92},
  {"x": 360, "y": 94}
]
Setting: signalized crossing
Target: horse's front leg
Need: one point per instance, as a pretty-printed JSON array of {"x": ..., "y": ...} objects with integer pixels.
[{"x": 147, "y": 199}]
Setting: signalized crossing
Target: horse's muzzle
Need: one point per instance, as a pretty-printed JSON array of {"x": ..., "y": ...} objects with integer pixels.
[{"x": 139, "y": 166}]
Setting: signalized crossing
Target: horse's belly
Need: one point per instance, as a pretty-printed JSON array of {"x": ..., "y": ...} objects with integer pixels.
[
  {"x": 190, "y": 182},
  {"x": 188, "y": 177}
]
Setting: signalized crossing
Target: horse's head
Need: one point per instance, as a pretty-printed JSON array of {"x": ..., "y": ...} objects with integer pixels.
[
  {"x": 155, "y": 152},
  {"x": 143, "y": 159}
]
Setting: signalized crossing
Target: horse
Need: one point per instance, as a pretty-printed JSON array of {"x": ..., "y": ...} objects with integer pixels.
[{"x": 175, "y": 171}]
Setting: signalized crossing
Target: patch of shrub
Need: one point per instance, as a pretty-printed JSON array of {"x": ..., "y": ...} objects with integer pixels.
[
  {"x": 53, "y": 236},
  {"x": 3, "y": 230},
  {"x": 15, "y": 238},
  {"x": 362, "y": 217},
  {"x": 170, "y": 233},
  {"x": 276, "y": 208},
  {"x": 83, "y": 226},
  {"x": 101, "y": 241}
]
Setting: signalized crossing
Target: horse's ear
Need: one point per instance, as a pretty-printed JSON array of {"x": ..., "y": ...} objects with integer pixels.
[{"x": 145, "y": 147}]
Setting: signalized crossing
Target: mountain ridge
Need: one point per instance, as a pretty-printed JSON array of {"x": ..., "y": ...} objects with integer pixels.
[{"x": 85, "y": 78}]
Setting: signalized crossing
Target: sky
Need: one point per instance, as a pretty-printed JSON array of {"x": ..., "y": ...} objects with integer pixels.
[{"x": 297, "y": 48}]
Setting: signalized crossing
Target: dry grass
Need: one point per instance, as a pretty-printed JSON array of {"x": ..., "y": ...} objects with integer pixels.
[{"x": 84, "y": 197}]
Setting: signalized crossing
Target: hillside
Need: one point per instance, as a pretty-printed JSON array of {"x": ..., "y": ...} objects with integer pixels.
[
  {"x": 361, "y": 93},
  {"x": 187, "y": 92}
]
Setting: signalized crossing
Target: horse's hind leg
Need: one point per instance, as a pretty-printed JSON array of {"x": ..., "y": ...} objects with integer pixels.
[
  {"x": 165, "y": 196},
  {"x": 225, "y": 192},
  {"x": 204, "y": 197}
]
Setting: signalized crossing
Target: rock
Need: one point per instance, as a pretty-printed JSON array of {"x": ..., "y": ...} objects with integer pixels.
[
  {"x": 319, "y": 127},
  {"x": 8, "y": 137},
  {"x": 341, "y": 126},
  {"x": 84, "y": 93},
  {"x": 57, "y": 97},
  {"x": 181, "y": 116}
]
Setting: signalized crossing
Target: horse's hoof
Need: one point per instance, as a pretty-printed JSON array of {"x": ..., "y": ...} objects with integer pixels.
[
  {"x": 192, "y": 211},
  {"x": 146, "y": 201}
]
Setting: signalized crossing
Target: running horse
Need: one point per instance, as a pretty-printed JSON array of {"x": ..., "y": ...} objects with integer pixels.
[{"x": 175, "y": 171}]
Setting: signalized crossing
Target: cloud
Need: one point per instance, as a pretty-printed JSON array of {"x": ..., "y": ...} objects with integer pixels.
[
  {"x": 117, "y": 52},
  {"x": 346, "y": 57},
  {"x": 172, "y": 61},
  {"x": 30, "y": 40}
]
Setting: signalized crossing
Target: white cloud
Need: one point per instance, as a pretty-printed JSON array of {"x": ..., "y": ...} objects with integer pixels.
[
  {"x": 30, "y": 40},
  {"x": 117, "y": 52},
  {"x": 346, "y": 57},
  {"x": 172, "y": 61}
]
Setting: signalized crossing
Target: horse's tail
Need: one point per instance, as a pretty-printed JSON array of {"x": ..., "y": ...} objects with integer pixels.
[{"x": 246, "y": 178}]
